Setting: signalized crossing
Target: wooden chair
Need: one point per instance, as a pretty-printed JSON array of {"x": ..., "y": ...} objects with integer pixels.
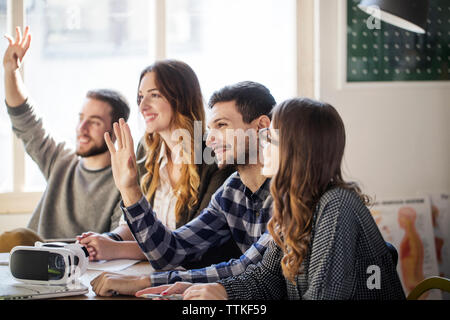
[{"x": 428, "y": 284}]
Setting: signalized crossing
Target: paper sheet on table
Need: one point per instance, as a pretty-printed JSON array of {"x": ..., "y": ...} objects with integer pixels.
[
  {"x": 4, "y": 259},
  {"x": 111, "y": 265}
]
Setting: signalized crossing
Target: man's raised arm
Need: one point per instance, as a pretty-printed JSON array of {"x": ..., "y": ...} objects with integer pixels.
[{"x": 15, "y": 90}]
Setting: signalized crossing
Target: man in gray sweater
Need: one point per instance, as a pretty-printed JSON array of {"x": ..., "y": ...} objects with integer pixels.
[{"x": 80, "y": 193}]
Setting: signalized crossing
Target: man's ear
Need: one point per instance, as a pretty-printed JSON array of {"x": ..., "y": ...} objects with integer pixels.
[{"x": 263, "y": 122}]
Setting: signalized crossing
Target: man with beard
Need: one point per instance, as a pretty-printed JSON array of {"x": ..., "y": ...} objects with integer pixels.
[
  {"x": 80, "y": 194},
  {"x": 238, "y": 211}
]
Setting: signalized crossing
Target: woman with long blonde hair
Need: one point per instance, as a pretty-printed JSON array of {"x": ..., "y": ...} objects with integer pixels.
[
  {"x": 326, "y": 244},
  {"x": 178, "y": 188}
]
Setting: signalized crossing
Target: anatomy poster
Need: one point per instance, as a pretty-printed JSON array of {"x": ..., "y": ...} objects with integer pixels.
[
  {"x": 440, "y": 211},
  {"x": 407, "y": 224}
]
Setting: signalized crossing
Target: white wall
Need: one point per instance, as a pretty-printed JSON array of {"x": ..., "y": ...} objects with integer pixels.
[{"x": 398, "y": 135}]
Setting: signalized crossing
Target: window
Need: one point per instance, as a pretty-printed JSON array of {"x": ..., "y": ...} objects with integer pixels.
[
  {"x": 81, "y": 45},
  {"x": 78, "y": 45},
  {"x": 6, "y": 176},
  {"x": 227, "y": 41}
]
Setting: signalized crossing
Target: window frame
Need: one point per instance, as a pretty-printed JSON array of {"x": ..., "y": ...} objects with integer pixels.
[{"x": 20, "y": 201}]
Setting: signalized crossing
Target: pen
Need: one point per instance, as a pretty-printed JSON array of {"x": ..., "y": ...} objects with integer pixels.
[{"x": 160, "y": 296}]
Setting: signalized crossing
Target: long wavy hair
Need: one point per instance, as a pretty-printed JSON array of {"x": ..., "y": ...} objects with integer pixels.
[
  {"x": 178, "y": 83},
  {"x": 311, "y": 148}
]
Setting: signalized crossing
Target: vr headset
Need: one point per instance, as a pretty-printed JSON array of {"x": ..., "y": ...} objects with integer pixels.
[{"x": 48, "y": 263}]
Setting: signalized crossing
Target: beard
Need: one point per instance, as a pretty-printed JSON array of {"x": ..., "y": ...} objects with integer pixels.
[
  {"x": 233, "y": 158},
  {"x": 95, "y": 150}
]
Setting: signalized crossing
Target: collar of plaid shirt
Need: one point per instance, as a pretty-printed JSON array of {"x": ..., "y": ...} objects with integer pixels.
[{"x": 259, "y": 195}]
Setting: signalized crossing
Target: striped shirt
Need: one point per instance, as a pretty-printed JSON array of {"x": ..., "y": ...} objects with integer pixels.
[{"x": 234, "y": 212}]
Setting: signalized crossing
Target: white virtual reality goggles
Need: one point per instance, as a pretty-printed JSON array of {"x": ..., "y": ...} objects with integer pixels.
[{"x": 48, "y": 263}]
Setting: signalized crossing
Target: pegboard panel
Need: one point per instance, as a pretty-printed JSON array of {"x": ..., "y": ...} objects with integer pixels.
[{"x": 389, "y": 53}]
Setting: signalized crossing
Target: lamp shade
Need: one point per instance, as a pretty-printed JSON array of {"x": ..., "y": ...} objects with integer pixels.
[{"x": 406, "y": 14}]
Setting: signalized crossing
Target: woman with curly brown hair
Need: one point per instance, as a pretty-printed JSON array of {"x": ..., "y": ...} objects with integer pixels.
[{"x": 326, "y": 244}]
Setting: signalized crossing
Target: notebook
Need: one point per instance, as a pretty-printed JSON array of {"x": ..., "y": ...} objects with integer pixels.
[
  {"x": 27, "y": 292},
  {"x": 11, "y": 289}
]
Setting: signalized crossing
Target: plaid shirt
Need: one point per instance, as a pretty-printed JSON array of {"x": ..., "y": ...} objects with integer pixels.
[{"x": 234, "y": 212}]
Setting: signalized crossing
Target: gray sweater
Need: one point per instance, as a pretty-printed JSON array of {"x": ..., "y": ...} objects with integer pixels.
[{"x": 76, "y": 199}]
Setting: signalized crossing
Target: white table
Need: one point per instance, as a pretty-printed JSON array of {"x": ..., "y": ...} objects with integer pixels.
[{"x": 140, "y": 268}]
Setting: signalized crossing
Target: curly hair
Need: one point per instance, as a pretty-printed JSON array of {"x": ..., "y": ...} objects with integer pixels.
[{"x": 311, "y": 147}]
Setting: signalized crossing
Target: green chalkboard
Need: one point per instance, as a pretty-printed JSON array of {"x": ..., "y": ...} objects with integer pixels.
[{"x": 384, "y": 52}]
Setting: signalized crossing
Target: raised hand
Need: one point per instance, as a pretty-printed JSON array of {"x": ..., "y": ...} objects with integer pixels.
[
  {"x": 123, "y": 162},
  {"x": 17, "y": 49}
]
